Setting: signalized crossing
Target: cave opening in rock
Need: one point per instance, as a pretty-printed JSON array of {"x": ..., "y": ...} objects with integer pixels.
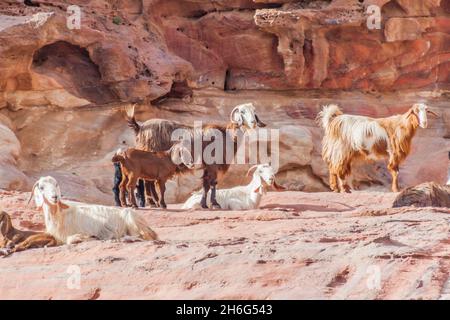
[
  {"x": 30, "y": 3},
  {"x": 71, "y": 67}
]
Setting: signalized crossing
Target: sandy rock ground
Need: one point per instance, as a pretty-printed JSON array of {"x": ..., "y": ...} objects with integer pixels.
[{"x": 296, "y": 246}]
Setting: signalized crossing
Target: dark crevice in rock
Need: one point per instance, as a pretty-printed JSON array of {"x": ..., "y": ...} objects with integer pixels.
[
  {"x": 226, "y": 86},
  {"x": 179, "y": 90},
  {"x": 30, "y": 3},
  {"x": 72, "y": 67},
  {"x": 198, "y": 14}
]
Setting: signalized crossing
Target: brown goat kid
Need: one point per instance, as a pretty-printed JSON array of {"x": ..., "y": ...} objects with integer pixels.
[
  {"x": 150, "y": 166},
  {"x": 14, "y": 240}
]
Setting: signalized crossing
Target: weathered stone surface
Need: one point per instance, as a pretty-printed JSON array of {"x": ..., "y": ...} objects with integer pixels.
[
  {"x": 10, "y": 176},
  {"x": 297, "y": 246}
]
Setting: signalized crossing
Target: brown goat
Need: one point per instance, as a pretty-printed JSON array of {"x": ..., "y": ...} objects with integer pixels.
[
  {"x": 150, "y": 166},
  {"x": 14, "y": 240},
  {"x": 156, "y": 135}
]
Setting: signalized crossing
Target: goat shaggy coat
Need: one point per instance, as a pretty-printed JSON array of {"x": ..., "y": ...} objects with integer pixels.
[
  {"x": 72, "y": 221},
  {"x": 348, "y": 137}
]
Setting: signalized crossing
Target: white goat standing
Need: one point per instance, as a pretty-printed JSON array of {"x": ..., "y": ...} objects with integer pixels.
[
  {"x": 72, "y": 222},
  {"x": 241, "y": 197}
]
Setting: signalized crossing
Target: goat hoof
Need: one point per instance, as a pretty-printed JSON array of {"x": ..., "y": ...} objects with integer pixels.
[
  {"x": 5, "y": 252},
  {"x": 216, "y": 206}
]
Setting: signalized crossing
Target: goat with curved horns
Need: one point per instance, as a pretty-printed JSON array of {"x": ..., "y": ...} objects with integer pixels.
[
  {"x": 348, "y": 137},
  {"x": 72, "y": 222},
  {"x": 156, "y": 135}
]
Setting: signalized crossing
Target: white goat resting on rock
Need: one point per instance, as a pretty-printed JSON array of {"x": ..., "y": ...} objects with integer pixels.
[
  {"x": 241, "y": 197},
  {"x": 72, "y": 222}
]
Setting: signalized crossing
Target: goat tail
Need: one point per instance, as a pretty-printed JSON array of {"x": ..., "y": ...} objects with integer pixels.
[
  {"x": 137, "y": 226},
  {"x": 131, "y": 119},
  {"x": 328, "y": 113}
]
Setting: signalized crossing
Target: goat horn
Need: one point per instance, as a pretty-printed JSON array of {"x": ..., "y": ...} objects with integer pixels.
[
  {"x": 433, "y": 113},
  {"x": 130, "y": 110},
  {"x": 259, "y": 122},
  {"x": 251, "y": 168},
  {"x": 32, "y": 193},
  {"x": 232, "y": 114}
]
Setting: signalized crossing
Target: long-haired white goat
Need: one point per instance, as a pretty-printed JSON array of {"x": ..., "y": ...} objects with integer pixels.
[
  {"x": 71, "y": 222},
  {"x": 241, "y": 197},
  {"x": 348, "y": 137}
]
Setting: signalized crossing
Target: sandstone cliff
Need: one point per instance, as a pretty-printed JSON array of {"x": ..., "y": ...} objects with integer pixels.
[{"x": 61, "y": 90}]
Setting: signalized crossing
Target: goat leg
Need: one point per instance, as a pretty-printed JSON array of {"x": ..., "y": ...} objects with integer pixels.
[
  {"x": 343, "y": 186},
  {"x": 36, "y": 241},
  {"x": 140, "y": 194},
  {"x": 131, "y": 186},
  {"x": 203, "y": 202},
  {"x": 393, "y": 169},
  {"x": 162, "y": 190},
  {"x": 117, "y": 181},
  {"x": 333, "y": 182},
  {"x": 152, "y": 195},
  {"x": 214, "y": 203},
  {"x": 123, "y": 190}
]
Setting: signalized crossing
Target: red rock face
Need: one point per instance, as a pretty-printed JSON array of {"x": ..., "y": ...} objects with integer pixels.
[{"x": 191, "y": 60}]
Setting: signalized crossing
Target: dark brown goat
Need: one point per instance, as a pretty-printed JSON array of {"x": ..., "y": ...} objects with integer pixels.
[
  {"x": 151, "y": 166},
  {"x": 14, "y": 240},
  {"x": 156, "y": 135}
]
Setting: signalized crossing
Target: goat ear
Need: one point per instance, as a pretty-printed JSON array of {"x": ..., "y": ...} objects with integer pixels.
[
  {"x": 251, "y": 169},
  {"x": 62, "y": 205},
  {"x": 38, "y": 198},
  {"x": 433, "y": 113},
  {"x": 186, "y": 157},
  {"x": 5, "y": 224}
]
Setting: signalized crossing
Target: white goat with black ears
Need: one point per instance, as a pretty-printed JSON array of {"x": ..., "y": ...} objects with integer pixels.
[
  {"x": 72, "y": 222},
  {"x": 241, "y": 197}
]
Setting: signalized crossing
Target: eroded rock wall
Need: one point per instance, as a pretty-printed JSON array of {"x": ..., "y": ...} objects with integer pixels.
[{"x": 61, "y": 90}]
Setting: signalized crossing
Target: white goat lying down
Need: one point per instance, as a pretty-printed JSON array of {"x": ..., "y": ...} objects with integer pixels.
[
  {"x": 72, "y": 222},
  {"x": 241, "y": 197}
]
